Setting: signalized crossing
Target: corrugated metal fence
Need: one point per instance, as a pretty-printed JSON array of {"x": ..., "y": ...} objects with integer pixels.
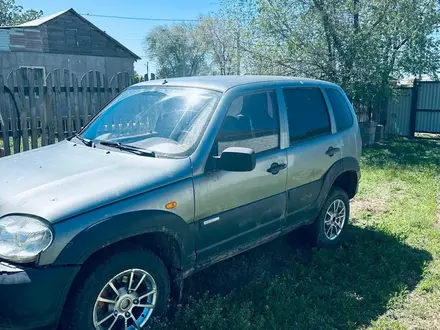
[
  {"x": 415, "y": 110},
  {"x": 427, "y": 119},
  {"x": 4, "y": 40},
  {"x": 399, "y": 110}
]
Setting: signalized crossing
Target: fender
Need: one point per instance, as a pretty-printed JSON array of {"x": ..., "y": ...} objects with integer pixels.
[
  {"x": 348, "y": 164},
  {"x": 351, "y": 164},
  {"x": 308, "y": 215},
  {"x": 117, "y": 228}
]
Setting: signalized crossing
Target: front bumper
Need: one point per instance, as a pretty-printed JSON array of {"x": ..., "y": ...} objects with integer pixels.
[{"x": 32, "y": 298}]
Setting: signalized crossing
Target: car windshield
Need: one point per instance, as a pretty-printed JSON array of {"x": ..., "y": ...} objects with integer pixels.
[{"x": 168, "y": 121}]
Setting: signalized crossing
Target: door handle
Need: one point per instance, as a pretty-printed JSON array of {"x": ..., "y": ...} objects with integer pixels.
[
  {"x": 275, "y": 168},
  {"x": 331, "y": 151}
]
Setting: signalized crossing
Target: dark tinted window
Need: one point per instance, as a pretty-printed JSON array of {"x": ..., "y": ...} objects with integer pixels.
[
  {"x": 342, "y": 112},
  {"x": 307, "y": 113},
  {"x": 251, "y": 122}
]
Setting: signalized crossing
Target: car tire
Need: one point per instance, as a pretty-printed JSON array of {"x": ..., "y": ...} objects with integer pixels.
[
  {"x": 83, "y": 305},
  {"x": 326, "y": 231}
]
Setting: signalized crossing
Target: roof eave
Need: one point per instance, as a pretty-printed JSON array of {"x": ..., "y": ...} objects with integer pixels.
[
  {"x": 71, "y": 10},
  {"x": 136, "y": 57}
]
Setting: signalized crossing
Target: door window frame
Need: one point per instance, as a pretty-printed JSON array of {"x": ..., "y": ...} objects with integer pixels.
[
  {"x": 327, "y": 104},
  {"x": 273, "y": 90},
  {"x": 348, "y": 103}
]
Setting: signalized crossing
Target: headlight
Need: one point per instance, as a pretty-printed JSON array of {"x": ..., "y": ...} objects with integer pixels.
[{"x": 22, "y": 238}]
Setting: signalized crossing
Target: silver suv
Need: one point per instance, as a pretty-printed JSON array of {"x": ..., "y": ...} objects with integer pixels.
[{"x": 100, "y": 230}]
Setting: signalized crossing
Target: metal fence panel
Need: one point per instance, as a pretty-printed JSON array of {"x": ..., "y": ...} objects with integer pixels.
[
  {"x": 428, "y": 121},
  {"x": 428, "y": 108},
  {"x": 399, "y": 110},
  {"x": 429, "y": 96}
]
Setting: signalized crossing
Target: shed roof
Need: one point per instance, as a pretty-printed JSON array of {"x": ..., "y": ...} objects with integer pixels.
[
  {"x": 44, "y": 19},
  {"x": 40, "y": 21}
]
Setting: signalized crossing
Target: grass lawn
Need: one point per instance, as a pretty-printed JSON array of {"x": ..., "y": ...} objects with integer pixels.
[
  {"x": 386, "y": 274},
  {"x": 11, "y": 144}
]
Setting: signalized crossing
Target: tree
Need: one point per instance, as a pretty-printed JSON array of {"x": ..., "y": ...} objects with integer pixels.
[
  {"x": 220, "y": 41},
  {"x": 12, "y": 14},
  {"x": 177, "y": 49},
  {"x": 137, "y": 77},
  {"x": 359, "y": 44}
]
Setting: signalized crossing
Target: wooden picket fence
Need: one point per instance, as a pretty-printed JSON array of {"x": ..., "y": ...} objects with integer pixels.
[{"x": 37, "y": 111}]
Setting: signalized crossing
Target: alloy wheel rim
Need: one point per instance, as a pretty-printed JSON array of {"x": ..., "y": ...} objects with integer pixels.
[
  {"x": 334, "y": 219},
  {"x": 126, "y": 301}
]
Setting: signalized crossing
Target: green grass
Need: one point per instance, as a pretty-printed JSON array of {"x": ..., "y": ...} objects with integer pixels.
[
  {"x": 11, "y": 144},
  {"x": 386, "y": 274}
]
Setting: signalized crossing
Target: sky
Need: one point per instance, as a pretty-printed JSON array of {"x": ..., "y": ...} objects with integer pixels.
[{"x": 131, "y": 33}]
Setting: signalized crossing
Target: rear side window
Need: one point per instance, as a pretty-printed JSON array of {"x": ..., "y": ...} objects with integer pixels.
[
  {"x": 341, "y": 110},
  {"x": 307, "y": 114}
]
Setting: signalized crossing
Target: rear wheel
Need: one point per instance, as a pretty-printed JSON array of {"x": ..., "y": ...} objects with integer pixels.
[
  {"x": 123, "y": 292},
  {"x": 329, "y": 226}
]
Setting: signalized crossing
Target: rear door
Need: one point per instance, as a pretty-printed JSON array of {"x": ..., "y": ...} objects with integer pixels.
[
  {"x": 312, "y": 152},
  {"x": 345, "y": 120}
]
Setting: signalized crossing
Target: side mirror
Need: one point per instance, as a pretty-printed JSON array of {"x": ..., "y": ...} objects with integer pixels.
[{"x": 235, "y": 159}]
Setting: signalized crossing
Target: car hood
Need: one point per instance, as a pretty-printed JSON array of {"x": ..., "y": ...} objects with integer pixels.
[{"x": 65, "y": 179}]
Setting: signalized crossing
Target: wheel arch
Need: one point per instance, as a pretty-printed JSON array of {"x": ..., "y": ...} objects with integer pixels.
[
  {"x": 344, "y": 174},
  {"x": 348, "y": 182},
  {"x": 137, "y": 227},
  {"x": 163, "y": 233},
  {"x": 348, "y": 179}
]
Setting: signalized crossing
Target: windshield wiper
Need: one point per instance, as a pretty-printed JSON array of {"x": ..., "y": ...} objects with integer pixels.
[
  {"x": 129, "y": 148},
  {"x": 88, "y": 143}
]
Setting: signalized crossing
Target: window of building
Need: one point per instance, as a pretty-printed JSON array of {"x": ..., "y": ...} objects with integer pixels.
[{"x": 72, "y": 37}]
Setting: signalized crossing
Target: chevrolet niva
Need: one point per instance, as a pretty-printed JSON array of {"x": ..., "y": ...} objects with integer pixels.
[{"x": 99, "y": 231}]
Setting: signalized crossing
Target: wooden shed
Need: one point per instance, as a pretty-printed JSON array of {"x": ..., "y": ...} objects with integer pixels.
[{"x": 64, "y": 40}]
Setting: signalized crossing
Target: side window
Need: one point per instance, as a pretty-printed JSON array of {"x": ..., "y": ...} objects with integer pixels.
[
  {"x": 251, "y": 122},
  {"x": 343, "y": 116},
  {"x": 307, "y": 113}
]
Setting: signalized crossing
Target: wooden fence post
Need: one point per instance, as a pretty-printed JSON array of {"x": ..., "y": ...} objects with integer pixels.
[
  {"x": 23, "y": 104},
  {"x": 43, "y": 108},
  {"x": 33, "y": 112},
  {"x": 4, "y": 114},
  {"x": 85, "y": 103},
  {"x": 67, "y": 83},
  {"x": 98, "y": 92},
  {"x": 106, "y": 89},
  {"x": 50, "y": 105},
  {"x": 58, "y": 110},
  {"x": 113, "y": 84},
  {"x": 15, "y": 112},
  {"x": 92, "y": 94},
  {"x": 76, "y": 103}
]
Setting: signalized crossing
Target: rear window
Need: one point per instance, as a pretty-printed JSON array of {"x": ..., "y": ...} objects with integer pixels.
[
  {"x": 307, "y": 114},
  {"x": 341, "y": 110}
]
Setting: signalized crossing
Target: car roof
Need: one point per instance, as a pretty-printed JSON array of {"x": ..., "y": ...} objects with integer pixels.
[{"x": 223, "y": 83}]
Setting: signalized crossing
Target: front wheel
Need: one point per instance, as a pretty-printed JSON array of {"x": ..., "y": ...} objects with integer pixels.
[
  {"x": 328, "y": 227},
  {"x": 123, "y": 292}
]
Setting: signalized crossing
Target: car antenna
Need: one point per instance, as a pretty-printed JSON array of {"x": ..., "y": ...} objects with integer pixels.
[{"x": 165, "y": 81}]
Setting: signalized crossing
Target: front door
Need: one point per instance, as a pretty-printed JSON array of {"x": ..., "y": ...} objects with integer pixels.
[{"x": 237, "y": 210}]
